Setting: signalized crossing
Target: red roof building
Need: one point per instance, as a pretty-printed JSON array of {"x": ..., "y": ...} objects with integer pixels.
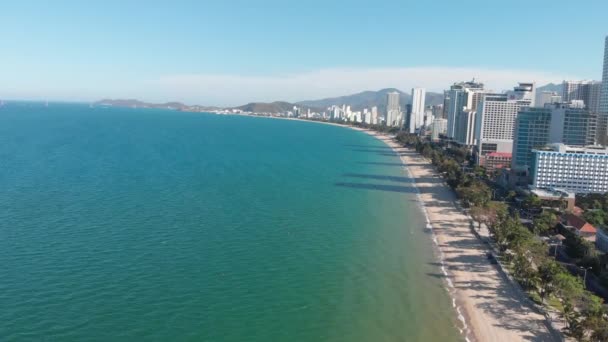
[
  {"x": 579, "y": 226},
  {"x": 497, "y": 160}
]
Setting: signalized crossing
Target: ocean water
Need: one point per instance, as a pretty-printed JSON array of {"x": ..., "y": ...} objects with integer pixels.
[{"x": 132, "y": 224}]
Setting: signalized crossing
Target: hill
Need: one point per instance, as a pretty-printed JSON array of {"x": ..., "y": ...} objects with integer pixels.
[
  {"x": 132, "y": 103},
  {"x": 273, "y": 107},
  {"x": 558, "y": 88},
  {"x": 368, "y": 99}
]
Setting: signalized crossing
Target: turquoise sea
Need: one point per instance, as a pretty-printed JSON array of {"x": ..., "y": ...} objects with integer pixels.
[{"x": 136, "y": 224}]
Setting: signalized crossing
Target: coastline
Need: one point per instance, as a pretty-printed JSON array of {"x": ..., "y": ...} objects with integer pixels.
[{"x": 488, "y": 305}]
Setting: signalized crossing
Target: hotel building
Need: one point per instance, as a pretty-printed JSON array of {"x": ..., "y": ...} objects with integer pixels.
[
  {"x": 574, "y": 169},
  {"x": 439, "y": 127},
  {"x": 603, "y": 106},
  {"x": 495, "y": 121},
  {"x": 555, "y": 123},
  {"x": 461, "y": 95},
  {"x": 586, "y": 91},
  {"x": 393, "y": 110},
  {"x": 416, "y": 118}
]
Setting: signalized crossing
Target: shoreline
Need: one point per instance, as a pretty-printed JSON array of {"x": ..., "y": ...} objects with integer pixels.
[
  {"x": 487, "y": 304},
  {"x": 489, "y": 307}
]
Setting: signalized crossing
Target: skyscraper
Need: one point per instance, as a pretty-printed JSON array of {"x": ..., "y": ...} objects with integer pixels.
[
  {"x": 461, "y": 95},
  {"x": 586, "y": 91},
  {"x": 603, "y": 106},
  {"x": 393, "y": 111},
  {"x": 417, "y": 116},
  {"x": 375, "y": 115},
  {"x": 531, "y": 131},
  {"x": 547, "y": 97},
  {"x": 555, "y": 123},
  {"x": 495, "y": 121}
]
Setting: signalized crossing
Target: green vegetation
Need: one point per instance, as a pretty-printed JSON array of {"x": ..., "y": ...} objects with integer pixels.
[
  {"x": 525, "y": 255},
  {"x": 595, "y": 206}
]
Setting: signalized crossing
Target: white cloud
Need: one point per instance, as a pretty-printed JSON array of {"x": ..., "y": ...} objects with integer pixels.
[{"x": 226, "y": 90}]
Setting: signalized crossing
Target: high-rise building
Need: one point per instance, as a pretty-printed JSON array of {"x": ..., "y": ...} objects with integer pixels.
[
  {"x": 572, "y": 125},
  {"x": 531, "y": 131},
  {"x": 438, "y": 128},
  {"x": 495, "y": 121},
  {"x": 416, "y": 119},
  {"x": 375, "y": 115},
  {"x": 461, "y": 95},
  {"x": 546, "y": 97},
  {"x": 574, "y": 169},
  {"x": 465, "y": 127},
  {"x": 586, "y": 91},
  {"x": 393, "y": 111},
  {"x": 438, "y": 111},
  {"x": 555, "y": 123},
  {"x": 603, "y": 106}
]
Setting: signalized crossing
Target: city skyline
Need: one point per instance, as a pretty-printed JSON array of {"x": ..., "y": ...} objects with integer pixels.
[{"x": 215, "y": 54}]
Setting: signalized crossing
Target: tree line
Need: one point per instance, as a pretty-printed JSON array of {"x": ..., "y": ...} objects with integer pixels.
[{"x": 522, "y": 250}]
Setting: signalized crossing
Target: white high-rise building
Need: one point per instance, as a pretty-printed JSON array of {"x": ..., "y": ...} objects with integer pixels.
[
  {"x": 495, "y": 121},
  {"x": 375, "y": 115},
  {"x": 546, "y": 97},
  {"x": 393, "y": 111},
  {"x": 439, "y": 127},
  {"x": 586, "y": 91},
  {"x": 574, "y": 169},
  {"x": 460, "y": 96},
  {"x": 417, "y": 116}
]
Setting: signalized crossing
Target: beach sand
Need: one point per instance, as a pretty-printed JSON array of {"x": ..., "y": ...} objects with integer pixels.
[
  {"x": 492, "y": 308},
  {"x": 489, "y": 306}
]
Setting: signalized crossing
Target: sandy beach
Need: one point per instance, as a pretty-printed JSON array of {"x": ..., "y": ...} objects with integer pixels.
[{"x": 491, "y": 307}]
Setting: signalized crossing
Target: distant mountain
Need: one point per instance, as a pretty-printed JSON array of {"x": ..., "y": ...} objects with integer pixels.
[
  {"x": 273, "y": 107},
  {"x": 132, "y": 103},
  {"x": 558, "y": 88},
  {"x": 368, "y": 99}
]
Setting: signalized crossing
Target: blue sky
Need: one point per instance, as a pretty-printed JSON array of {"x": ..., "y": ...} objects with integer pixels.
[{"x": 230, "y": 52}]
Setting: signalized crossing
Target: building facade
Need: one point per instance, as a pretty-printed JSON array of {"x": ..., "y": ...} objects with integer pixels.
[
  {"x": 495, "y": 121},
  {"x": 547, "y": 97},
  {"x": 465, "y": 127},
  {"x": 586, "y": 91},
  {"x": 532, "y": 128},
  {"x": 393, "y": 110},
  {"x": 460, "y": 96},
  {"x": 601, "y": 239},
  {"x": 575, "y": 169},
  {"x": 572, "y": 125},
  {"x": 603, "y": 106},
  {"x": 498, "y": 160},
  {"x": 439, "y": 127},
  {"x": 416, "y": 118}
]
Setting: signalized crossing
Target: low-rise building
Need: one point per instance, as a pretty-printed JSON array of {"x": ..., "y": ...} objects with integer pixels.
[
  {"x": 579, "y": 226},
  {"x": 498, "y": 160}
]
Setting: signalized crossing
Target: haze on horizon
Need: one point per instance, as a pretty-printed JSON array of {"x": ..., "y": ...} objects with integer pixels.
[{"x": 224, "y": 54}]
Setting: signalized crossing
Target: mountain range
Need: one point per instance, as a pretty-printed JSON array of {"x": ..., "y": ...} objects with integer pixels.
[
  {"x": 132, "y": 103},
  {"x": 368, "y": 99},
  {"x": 357, "y": 102}
]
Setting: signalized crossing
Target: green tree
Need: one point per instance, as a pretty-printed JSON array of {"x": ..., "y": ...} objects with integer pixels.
[
  {"x": 595, "y": 216},
  {"x": 532, "y": 201},
  {"x": 548, "y": 272},
  {"x": 544, "y": 223}
]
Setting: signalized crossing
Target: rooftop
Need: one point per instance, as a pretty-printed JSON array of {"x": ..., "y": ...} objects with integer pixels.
[
  {"x": 580, "y": 224},
  {"x": 500, "y": 154},
  {"x": 553, "y": 193}
]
